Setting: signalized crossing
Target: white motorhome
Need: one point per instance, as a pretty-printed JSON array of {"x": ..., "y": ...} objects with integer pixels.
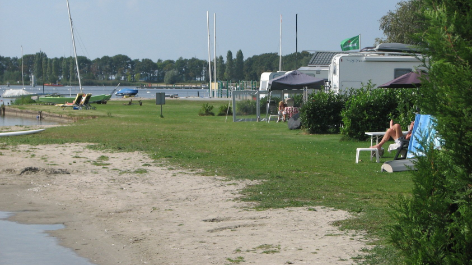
[
  {"x": 266, "y": 77},
  {"x": 353, "y": 70},
  {"x": 318, "y": 66}
]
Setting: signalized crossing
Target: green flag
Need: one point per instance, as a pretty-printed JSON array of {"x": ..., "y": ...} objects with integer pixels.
[{"x": 350, "y": 44}]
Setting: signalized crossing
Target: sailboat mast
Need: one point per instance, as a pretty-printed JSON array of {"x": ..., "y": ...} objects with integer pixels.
[
  {"x": 214, "y": 51},
  {"x": 280, "y": 52},
  {"x": 75, "y": 51},
  {"x": 22, "y": 75},
  {"x": 209, "y": 54}
]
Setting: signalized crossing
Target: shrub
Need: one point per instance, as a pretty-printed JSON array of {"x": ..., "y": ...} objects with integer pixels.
[
  {"x": 367, "y": 110},
  {"x": 23, "y": 100},
  {"x": 246, "y": 107},
  {"x": 225, "y": 110},
  {"x": 206, "y": 110},
  {"x": 171, "y": 77},
  {"x": 322, "y": 113}
]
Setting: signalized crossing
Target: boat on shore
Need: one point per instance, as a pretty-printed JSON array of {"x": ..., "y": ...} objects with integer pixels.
[
  {"x": 59, "y": 99},
  {"x": 127, "y": 92},
  {"x": 20, "y": 132}
]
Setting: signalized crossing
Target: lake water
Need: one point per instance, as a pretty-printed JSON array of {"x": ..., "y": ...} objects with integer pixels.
[
  {"x": 16, "y": 120},
  {"x": 98, "y": 90},
  {"x": 22, "y": 244},
  {"x": 95, "y": 90}
]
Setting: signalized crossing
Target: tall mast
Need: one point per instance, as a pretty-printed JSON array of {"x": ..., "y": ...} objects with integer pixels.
[
  {"x": 209, "y": 54},
  {"x": 22, "y": 78},
  {"x": 75, "y": 51},
  {"x": 214, "y": 51},
  {"x": 280, "y": 52}
]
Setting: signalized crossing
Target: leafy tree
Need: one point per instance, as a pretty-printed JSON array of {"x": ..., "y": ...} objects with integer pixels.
[
  {"x": 229, "y": 69},
  {"x": 399, "y": 26},
  {"x": 239, "y": 66},
  {"x": 434, "y": 225},
  {"x": 171, "y": 77},
  {"x": 220, "y": 67}
]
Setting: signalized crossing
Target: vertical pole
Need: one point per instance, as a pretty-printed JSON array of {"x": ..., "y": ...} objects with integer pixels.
[
  {"x": 214, "y": 51},
  {"x": 73, "y": 44},
  {"x": 360, "y": 47},
  {"x": 280, "y": 51},
  {"x": 209, "y": 55},
  {"x": 296, "y": 41}
]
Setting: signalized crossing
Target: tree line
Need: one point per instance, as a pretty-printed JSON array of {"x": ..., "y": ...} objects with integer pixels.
[{"x": 123, "y": 68}]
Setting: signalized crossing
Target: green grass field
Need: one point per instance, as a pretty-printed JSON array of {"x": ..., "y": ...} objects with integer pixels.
[{"x": 295, "y": 168}]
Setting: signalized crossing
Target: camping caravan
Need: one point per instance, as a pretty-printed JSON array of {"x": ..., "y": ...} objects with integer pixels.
[
  {"x": 318, "y": 66},
  {"x": 383, "y": 64},
  {"x": 267, "y": 76}
]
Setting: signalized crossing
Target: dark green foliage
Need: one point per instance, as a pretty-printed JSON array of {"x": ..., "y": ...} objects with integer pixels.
[
  {"x": 206, "y": 110},
  {"x": 322, "y": 113},
  {"x": 171, "y": 77},
  {"x": 370, "y": 110},
  {"x": 23, "y": 100},
  {"x": 297, "y": 100},
  {"x": 225, "y": 110},
  {"x": 246, "y": 107},
  {"x": 434, "y": 225}
]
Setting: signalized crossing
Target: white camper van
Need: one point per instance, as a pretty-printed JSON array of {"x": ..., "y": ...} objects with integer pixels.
[
  {"x": 379, "y": 65},
  {"x": 318, "y": 66}
]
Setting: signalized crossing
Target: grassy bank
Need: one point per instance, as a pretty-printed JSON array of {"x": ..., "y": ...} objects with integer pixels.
[{"x": 297, "y": 169}]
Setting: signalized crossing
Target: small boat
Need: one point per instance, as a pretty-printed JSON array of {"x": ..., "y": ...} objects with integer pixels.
[
  {"x": 16, "y": 93},
  {"x": 20, "y": 132},
  {"x": 127, "y": 92},
  {"x": 50, "y": 84},
  {"x": 56, "y": 99}
]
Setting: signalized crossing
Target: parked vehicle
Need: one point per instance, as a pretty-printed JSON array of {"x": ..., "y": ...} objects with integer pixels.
[{"x": 381, "y": 65}]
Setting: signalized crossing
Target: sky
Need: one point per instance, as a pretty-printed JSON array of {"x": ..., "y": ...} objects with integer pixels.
[{"x": 157, "y": 29}]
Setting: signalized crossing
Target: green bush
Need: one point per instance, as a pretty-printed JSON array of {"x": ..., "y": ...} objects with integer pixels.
[
  {"x": 322, "y": 113},
  {"x": 206, "y": 110},
  {"x": 23, "y": 100},
  {"x": 370, "y": 109},
  {"x": 225, "y": 110},
  {"x": 433, "y": 226},
  {"x": 246, "y": 107}
]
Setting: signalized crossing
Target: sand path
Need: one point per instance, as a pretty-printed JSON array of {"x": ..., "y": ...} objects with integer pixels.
[{"x": 123, "y": 208}]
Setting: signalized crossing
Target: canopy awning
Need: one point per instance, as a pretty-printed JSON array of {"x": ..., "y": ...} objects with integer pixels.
[
  {"x": 295, "y": 80},
  {"x": 408, "y": 80}
]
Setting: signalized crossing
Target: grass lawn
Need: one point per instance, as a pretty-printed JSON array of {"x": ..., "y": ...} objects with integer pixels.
[{"x": 298, "y": 169}]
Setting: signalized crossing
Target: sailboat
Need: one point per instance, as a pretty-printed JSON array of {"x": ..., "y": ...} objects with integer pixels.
[
  {"x": 16, "y": 93},
  {"x": 102, "y": 99}
]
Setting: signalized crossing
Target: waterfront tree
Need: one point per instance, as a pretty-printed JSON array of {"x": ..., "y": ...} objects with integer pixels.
[
  {"x": 229, "y": 72},
  {"x": 171, "y": 77},
  {"x": 239, "y": 66},
  {"x": 220, "y": 68},
  {"x": 401, "y": 25}
]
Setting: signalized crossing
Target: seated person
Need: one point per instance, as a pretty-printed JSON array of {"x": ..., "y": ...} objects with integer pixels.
[
  {"x": 394, "y": 132},
  {"x": 281, "y": 111}
]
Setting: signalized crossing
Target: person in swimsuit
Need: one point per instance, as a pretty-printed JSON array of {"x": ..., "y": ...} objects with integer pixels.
[{"x": 395, "y": 132}]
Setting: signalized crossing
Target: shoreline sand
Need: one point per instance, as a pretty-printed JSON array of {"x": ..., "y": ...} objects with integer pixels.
[{"x": 123, "y": 208}]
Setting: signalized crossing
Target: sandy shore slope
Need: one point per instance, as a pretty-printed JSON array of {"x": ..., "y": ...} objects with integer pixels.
[{"x": 123, "y": 208}]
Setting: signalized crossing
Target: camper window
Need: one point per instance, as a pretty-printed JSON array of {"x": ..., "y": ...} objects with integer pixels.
[{"x": 401, "y": 71}]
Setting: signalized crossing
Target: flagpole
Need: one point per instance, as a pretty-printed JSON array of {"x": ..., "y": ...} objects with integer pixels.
[{"x": 280, "y": 51}]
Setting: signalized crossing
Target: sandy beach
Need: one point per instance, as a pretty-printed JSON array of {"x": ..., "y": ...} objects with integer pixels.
[{"x": 124, "y": 208}]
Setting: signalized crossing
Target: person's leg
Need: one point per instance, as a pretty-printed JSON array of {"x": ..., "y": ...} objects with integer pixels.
[{"x": 395, "y": 132}]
